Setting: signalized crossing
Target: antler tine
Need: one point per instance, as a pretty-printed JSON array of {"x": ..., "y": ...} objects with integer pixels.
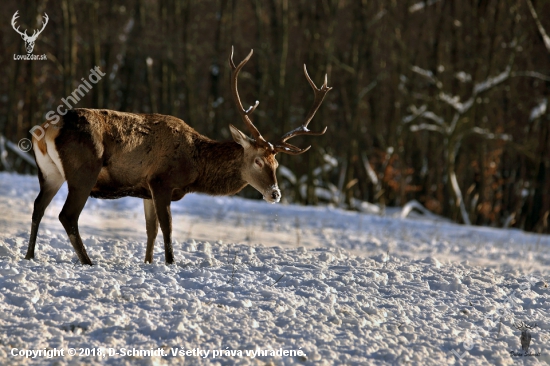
[
  {"x": 319, "y": 96},
  {"x": 290, "y": 149},
  {"x": 13, "y": 20},
  {"x": 282, "y": 145},
  {"x": 244, "y": 112},
  {"x": 44, "y": 22}
]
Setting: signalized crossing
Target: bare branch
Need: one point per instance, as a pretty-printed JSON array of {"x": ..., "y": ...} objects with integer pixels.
[
  {"x": 16, "y": 150},
  {"x": 489, "y": 135},
  {"x": 416, "y": 112},
  {"x": 542, "y": 32},
  {"x": 370, "y": 172},
  {"x": 425, "y": 73},
  {"x": 377, "y": 17},
  {"x": 463, "y": 77},
  {"x": 427, "y": 127},
  {"x": 532, "y": 74},
  {"x": 433, "y": 117},
  {"x": 539, "y": 110},
  {"x": 280, "y": 278},
  {"x": 421, "y": 5},
  {"x": 367, "y": 89},
  {"x": 452, "y": 127},
  {"x": 458, "y": 194},
  {"x": 482, "y": 132},
  {"x": 492, "y": 81},
  {"x": 455, "y": 102}
]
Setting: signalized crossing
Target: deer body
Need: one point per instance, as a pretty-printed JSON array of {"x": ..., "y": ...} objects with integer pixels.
[
  {"x": 123, "y": 142},
  {"x": 108, "y": 154}
]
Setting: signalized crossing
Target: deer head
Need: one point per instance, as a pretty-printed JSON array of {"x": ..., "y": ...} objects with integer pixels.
[
  {"x": 259, "y": 163},
  {"x": 29, "y": 40}
]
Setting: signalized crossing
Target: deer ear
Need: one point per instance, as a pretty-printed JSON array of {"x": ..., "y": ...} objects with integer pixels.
[{"x": 239, "y": 137}]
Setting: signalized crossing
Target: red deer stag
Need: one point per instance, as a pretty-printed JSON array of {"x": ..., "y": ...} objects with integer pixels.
[{"x": 107, "y": 154}]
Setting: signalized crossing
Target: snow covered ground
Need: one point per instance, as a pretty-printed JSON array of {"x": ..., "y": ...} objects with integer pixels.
[{"x": 258, "y": 284}]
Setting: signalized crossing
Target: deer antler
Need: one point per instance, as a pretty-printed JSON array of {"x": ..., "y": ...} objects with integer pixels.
[
  {"x": 282, "y": 145},
  {"x": 36, "y": 33},
  {"x": 245, "y": 113},
  {"x": 13, "y": 19},
  {"x": 523, "y": 326}
]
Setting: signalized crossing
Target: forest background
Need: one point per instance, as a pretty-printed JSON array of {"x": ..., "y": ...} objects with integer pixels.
[{"x": 440, "y": 102}]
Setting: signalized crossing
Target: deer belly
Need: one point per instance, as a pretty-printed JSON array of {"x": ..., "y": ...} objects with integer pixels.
[{"x": 109, "y": 187}]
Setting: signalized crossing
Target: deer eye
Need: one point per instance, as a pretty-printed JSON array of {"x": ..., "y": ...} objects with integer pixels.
[{"x": 259, "y": 163}]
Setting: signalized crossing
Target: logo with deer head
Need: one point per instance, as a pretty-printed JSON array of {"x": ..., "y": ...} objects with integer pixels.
[{"x": 29, "y": 40}]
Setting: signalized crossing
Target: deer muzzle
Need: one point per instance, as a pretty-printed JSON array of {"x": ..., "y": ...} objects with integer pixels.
[{"x": 272, "y": 194}]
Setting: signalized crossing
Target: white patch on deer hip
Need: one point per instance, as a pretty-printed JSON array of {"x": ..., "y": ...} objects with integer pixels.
[
  {"x": 54, "y": 155},
  {"x": 51, "y": 173}
]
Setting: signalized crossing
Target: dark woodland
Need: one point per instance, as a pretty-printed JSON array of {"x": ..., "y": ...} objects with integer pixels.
[{"x": 441, "y": 102}]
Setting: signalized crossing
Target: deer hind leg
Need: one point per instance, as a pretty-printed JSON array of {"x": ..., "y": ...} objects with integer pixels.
[
  {"x": 152, "y": 226},
  {"x": 81, "y": 175},
  {"x": 76, "y": 199},
  {"x": 50, "y": 179}
]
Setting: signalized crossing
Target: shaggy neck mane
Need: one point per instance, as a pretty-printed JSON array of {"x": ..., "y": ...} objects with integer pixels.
[{"x": 220, "y": 164}]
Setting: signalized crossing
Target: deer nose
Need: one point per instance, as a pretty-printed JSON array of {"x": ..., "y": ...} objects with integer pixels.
[
  {"x": 272, "y": 194},
  {"x": 276, "y": 195}
]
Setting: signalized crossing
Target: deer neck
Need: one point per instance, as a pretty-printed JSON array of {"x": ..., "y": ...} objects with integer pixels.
[{"x": 221, "y": 167}]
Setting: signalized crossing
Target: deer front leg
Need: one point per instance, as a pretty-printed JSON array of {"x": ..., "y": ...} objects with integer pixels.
[
  {"x": 152, "y": 226},
  {"x": 162, "y": 196}
]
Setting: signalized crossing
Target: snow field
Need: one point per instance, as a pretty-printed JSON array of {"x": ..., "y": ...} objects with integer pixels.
[
  {"x": 335, "y": 307},
  {"x": 341, "y": 287}
]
